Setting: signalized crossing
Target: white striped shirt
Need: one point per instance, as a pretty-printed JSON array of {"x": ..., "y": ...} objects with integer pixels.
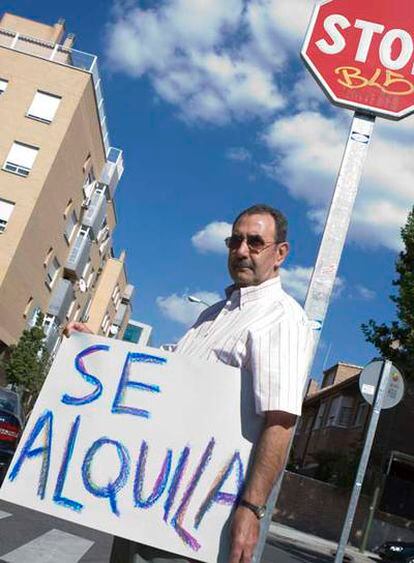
[{"x": 263, "y": 330}]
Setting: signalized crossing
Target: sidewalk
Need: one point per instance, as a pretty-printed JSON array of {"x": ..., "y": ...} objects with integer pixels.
[{"x": 291, "y": 536}]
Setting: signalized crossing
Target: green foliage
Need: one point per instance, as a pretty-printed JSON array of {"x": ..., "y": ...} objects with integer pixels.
[
  {"x": 337, "y": 468},
  {"x": 401, "y": 331},
  {"x": 28, "y": 361}
]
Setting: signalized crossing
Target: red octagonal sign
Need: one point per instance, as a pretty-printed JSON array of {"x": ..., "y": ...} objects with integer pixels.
[{"x": 362, "y": 53}]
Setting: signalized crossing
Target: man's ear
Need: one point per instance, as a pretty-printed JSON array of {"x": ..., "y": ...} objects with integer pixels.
[{"x": 282, "y": 250}]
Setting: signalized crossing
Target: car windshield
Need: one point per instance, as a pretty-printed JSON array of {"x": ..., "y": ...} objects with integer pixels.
[{"x": 8, "y": 401}]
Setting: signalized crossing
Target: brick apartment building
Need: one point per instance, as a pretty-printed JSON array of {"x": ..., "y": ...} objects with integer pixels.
[
  {"x": 335, "y": 420},
  {"x": 334, "y": 416}
]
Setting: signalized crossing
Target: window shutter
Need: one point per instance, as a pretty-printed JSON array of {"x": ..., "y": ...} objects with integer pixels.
[
  {"x": 44, "y": 106},
  {"x": 22, "y": 155},
  {"x": 6, "y": 209}
]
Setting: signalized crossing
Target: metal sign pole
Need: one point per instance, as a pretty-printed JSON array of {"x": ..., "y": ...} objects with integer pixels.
[
  {"x": 356, "y": 491},
  {"x": 337, "y": 223},
  {"x": 327, "y": 262}
]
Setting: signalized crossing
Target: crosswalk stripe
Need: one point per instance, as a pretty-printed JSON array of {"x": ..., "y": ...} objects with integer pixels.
[
  {"x": 52, "y": 546},
  {"x": 4, "y": 514}
]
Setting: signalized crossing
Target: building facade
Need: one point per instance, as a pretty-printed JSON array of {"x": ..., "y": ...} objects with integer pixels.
[
  {"x": 334, "y": 417},
  {"x": 335, "y": 420},
  {"x": 58, "y": 177}
]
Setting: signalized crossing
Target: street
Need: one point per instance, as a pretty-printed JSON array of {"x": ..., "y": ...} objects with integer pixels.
[
  {"x": 29, "y": 536},
  {"x": 278, "y": 552}
]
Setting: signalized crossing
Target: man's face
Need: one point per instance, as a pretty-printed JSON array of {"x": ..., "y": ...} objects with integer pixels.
[{"x": 251, "y": 267}]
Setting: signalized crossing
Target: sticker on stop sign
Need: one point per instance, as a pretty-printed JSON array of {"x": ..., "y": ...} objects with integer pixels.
[{"x": 362, "y": 54}]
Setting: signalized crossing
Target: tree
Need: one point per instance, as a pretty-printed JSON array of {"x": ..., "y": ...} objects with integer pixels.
[
  {"x": 27, "y": 363},
  {"x": 395, "y": 341},
  {"x": 337, "y": 468}
]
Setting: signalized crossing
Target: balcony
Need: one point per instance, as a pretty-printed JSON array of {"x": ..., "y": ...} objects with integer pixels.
[
  {"x": 61, "y": 299},
  {"x": 95, "y": 213},
  {"x": 63, "y": 55},
  {"x": 52, "y": 335},
  {"x": 112, "y": 171},
  {"x": 128, "y": 293},
  {"x": 79, "y": 254},
  {"x": 120, "y": 315}
]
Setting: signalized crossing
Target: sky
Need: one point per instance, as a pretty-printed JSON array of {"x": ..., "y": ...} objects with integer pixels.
[{"x": 214, "y": 110}]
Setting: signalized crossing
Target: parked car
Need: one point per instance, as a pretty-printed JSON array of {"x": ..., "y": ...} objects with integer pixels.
[
  {"x": 396, "y": 551},
  {"x": 11, "y": 426}
]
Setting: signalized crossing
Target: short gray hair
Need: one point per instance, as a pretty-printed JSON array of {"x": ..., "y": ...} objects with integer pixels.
[{"x": 281, "y": 224}]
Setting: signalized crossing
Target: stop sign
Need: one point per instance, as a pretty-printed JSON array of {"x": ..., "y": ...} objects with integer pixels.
[{"x": 362, "y": 54}]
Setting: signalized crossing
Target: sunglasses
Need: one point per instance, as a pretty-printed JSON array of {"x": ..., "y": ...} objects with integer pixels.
[{"x": 255, "y": 243}]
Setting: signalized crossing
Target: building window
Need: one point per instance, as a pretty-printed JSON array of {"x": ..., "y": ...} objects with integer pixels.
[
  {"x": 6, "y": 209},
  {"x": 345, "y": 412},
  {"x": 28, "y": 307},
  {"x": 70, "y": 226},
  {"x": 70, "y": 310},
  {"x": 77, "y": 313},
  {"x": 333, "y": 411},
  {"x": 116, "y": 297},
  {"x": 48, "y": 257},
  {"x": 319, "y": 416},
  {"x": 86, "y": 269},
  {"x": 85, "y": 314},
  {"x": 52, "y": 271},
  {"x": 361, "y": 414},
  {"x": 103, "y": 231},
  {"x": 329, "y": 379},
  {"x": 20, "y": 159},
  {"x": 49, "y": 320},
  {"x": 299, "y": 423},
  {"x": 3, "y": 85},
  {"x": 89, "y": 184},
  {"x": 90, "y": 278},
  {"x": 84, "y": 231},
  {"x": 105, "y": 323},
  {"x": 67, "y": 209},
  {"x": 44, "y": 107},
  {"x": 101, "y": 189},
  {"x": 32, "y": 315},
  {"x": 87, "y": 162}
]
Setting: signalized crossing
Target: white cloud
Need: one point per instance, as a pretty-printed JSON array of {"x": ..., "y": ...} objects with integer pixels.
[
  {"x": 296, "y": 281},
  {"x": 365, "y": 293},
  {"x": 179, "y": 309},
  {"x": 309, "y": 147},
  {"x": 189, "y": 50},
  {"x": 217, "y": 61},
  {"x": 240, "y": 154},
  {"x": 211, "y": 238},
  {"x": 277, "y": 27},
  {"x": 307, "y": 94}
]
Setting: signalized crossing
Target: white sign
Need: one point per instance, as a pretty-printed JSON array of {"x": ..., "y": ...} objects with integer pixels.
[
  {"x": 138, "y": 443},
  {"x": 368, "y": 382}
]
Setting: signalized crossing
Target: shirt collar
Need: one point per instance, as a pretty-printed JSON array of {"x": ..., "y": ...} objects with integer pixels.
[{"x": 265, "y": 290}]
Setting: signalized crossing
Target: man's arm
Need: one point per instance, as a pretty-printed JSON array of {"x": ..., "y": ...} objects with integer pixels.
[{"x": 269, "y": 459}]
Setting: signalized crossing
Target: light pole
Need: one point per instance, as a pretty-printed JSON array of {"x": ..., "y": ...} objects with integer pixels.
[{"x": 194, "y": 299}]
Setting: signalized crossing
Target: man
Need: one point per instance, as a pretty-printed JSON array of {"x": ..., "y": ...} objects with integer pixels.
[{"x": 263, "y": 330}]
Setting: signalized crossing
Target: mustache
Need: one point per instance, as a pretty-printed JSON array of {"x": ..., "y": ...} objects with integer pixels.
[{"x": 241, "y": 263}]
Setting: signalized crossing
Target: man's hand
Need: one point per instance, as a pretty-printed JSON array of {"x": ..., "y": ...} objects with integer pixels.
[
  {"x": 74, "y": 326},
  {"x": 244, "y": 535},
  {"x": 268, "y": 462}
]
